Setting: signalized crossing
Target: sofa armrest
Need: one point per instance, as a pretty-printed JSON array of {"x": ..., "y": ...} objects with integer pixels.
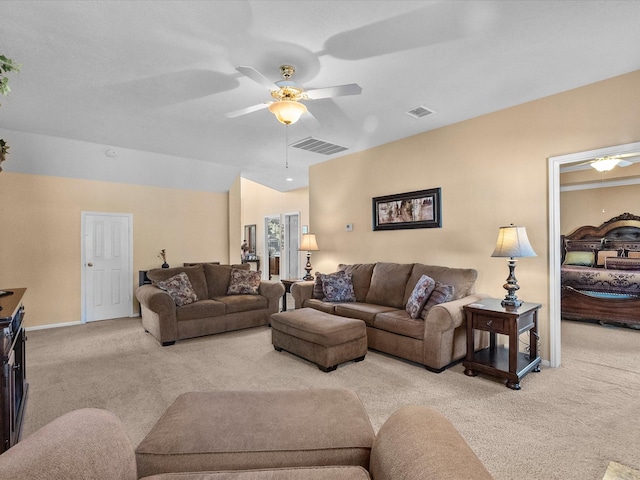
[
  {"x": 158, "y": 311},
  {"x": 301, "y": 292},
  {"x": 86, "y": 443},
  {"x": 273, "y": 291},
  {"x": 419, "y": 442},
  {"x": 156, "y": 300},
  {"x": 449, "y": 315}
]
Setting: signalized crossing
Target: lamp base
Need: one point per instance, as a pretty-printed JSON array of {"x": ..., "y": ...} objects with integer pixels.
[
  {"x": 510, "y": 300},
  {"x": 308, "y": 269}
]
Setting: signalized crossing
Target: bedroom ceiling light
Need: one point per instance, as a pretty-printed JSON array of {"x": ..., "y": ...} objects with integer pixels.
[
  {"x": 512, "y": 243},
  {"x": 605, "y": 164},
  {"x": 287, "y": 111}
]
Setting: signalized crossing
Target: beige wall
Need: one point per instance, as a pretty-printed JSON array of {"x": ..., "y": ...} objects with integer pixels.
[
  {"x": 492, "y": 171},
  {"x": 258, "y": 202},
  {"x": 40, "y": 249}
]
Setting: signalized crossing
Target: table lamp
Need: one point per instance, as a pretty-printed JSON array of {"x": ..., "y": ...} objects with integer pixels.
[
  {"x": 512, "y": 243},
  {"x": 309, "y": 245}
]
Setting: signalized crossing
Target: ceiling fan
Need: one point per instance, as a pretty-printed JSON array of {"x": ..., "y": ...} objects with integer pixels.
[
  {"x": 288, "y": 94},
  {"x": 606, "y": 164}
]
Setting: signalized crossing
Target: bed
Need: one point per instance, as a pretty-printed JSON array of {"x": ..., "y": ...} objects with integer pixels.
[{"x": 600, "y": 272}]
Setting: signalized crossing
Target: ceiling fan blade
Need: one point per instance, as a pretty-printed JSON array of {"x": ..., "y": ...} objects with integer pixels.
[
  {"x": 257, "y": 77},
  {"x": 244, "y": 111},
  {"x": 337, "y": 91}
]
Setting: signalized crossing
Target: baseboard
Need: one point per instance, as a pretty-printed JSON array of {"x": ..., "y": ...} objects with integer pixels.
[{"x": 52, "y": 325}]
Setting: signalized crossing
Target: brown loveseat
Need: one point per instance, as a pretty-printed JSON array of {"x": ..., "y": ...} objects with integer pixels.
[
  {"x": 435, "y": 339},
  {"x": 213, "y": 312},
  {"x": 415, "y": 443}
]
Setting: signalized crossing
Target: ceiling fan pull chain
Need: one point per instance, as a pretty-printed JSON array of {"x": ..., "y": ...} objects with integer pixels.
[{"x": 286, "y": 146}]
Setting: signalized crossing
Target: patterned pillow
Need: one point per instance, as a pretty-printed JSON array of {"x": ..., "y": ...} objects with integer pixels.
[
  {"x": 180, "y": 289},
  {"x": 338, "y": 287},
  {"x": 584, "y": 259},
  {"x": 419, "y": 296},
  {"x": 244, "y": 282},
  {"x": 441, "y": 293}
]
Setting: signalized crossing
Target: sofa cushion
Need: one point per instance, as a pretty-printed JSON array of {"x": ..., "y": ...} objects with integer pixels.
[
  {"x": 388, "y": 284},
  {"x": 242, "y": 430},
  {"x": 217, "y": 278},
  {"x": 243, "y": 303},
  {"x": 420, "y": 295},
  {"x": 195, "y": 274},
  {"x": 337, "y": 287},
  {"x": 401, "y": 323},
  {"x": 461, "y": 279},
  {"x": 330, "y": 472},
  {"x": 320, "y": 305},
  {"x": 362, "y": 311},
  {"x": 201, "y": 309},
  {"x": 360, "y": 277},
  {"x": 243, "y": 282},
  {"x": 441, "y": 293},
  {"x": 179, "y": 288}
]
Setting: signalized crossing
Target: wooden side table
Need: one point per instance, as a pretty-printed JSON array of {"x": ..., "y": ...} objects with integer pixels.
[
  {"x": 509, "y": 363},
  {"x": 287, "y": 289}
]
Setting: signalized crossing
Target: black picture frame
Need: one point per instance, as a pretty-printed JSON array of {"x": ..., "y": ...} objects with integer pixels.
[{"x": 419, "y": 209}]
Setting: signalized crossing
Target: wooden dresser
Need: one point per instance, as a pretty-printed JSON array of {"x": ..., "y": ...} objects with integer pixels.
[{"x": 13, "y": 385}]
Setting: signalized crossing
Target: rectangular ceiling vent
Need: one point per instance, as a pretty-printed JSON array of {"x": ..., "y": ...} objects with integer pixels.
[
  {"x": 420, "y": 112},
  {"x": 319, "y": 146}
]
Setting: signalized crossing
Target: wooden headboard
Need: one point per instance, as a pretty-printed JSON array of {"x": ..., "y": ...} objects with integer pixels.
[{"x": 619, "y": 233}]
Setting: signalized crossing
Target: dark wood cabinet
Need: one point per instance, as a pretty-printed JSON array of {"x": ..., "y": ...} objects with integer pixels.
[
  {"x": 14, "y": 387},
  {"x": 507, "y": 362}
]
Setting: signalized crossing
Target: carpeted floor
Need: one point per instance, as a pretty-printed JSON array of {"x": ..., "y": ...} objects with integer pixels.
[{"x": 566, "y": 423}]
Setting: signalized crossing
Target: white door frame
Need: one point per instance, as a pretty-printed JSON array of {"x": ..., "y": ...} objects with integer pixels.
[
  {"x": 554, "y": 236},
  {"x": 84, "y": 215}
]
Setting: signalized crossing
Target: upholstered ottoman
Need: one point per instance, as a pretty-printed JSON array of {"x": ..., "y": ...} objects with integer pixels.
[
  {"x": 324, "y": 339},
  {"x": 245, "y": 430}
]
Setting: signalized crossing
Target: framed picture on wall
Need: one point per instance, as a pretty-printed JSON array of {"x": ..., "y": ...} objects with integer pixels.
[{"x": 420, "y": 209}]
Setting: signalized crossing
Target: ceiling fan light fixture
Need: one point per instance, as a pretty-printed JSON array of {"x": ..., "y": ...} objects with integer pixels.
[
  {"x": 287, "y": 111},
  {"x": 605, "y": 164}
]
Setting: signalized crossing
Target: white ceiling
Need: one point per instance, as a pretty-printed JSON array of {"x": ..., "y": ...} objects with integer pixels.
[{"x": 158, "y": 76}]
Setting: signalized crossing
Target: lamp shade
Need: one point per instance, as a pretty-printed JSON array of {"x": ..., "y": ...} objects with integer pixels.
[
  {"x": 513, "y": 242},
  {"x": 287, "y": 111},
  {"x": 308, "y": 243}
]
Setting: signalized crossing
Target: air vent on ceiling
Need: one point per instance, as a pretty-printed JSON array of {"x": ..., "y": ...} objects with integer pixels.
[
  {"x": 420, "y": 112},
  {"x": 319, "y": 146}
]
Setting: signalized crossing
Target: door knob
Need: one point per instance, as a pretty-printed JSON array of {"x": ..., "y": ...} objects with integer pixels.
[{"x": 89, "y": 264}]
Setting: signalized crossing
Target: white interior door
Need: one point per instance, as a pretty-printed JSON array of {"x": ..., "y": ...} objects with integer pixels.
[{"x": 107, "y": 266}]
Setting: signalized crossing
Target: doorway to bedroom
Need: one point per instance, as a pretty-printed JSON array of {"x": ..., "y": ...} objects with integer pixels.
[{"x": 592, "y": 205}]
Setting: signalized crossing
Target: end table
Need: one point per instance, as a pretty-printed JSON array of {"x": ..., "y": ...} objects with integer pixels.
[
  {"x": 509, "y": 363},
  {"x": 287, "y": 289}
]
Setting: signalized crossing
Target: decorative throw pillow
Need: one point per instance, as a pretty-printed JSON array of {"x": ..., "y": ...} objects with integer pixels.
[
  {"x": 603, "y": 254},
  {"x": 633, "y": 254},
  {"x": 180, "y": 289},
  {"x": 441, "y": 293},
  {"x": 338, "y": 287},
  {"x": 419, "y": 296},
  {"x": 244, "y": 282},
  {"x": 583, "y": 259}
]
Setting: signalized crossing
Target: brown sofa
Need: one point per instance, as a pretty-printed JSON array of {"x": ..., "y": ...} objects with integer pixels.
[
  {"x": 416, "y": 443},
  {"x": 213, "y": 312},
  {"x": 436, "y": 339}
]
